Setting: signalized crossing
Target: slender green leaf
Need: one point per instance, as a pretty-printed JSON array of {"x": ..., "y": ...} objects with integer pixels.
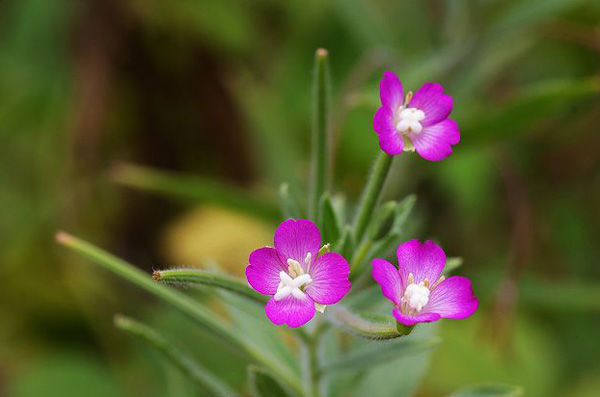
[
  {"x": 288, "y": 205},
  {"x": 209, "y": 279},
  {"x": 489, "y": 390},
  {"x": 180, "y": 302},
  {"x": 379, "y": 353},
  {"x": 329, "y": 223},
  {"x": 264, "y": 384},
  {"x": 391, "y": 241},
  {"x": 197, "y": 373},
  {"x": 192, "y": 189},
  {"x": 382, "y": 220},
  {"x": 345, "y": 244}
]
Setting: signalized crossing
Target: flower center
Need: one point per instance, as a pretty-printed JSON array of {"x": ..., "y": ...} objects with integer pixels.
[
  {"x": 416, "y": 296},
  {"x": 409, "y": 120},
  {"x": 295, "y": 280}
]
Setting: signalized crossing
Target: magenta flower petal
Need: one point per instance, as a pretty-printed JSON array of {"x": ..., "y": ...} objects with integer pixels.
[
  {"x": 391, "y": 91},
  {"x": 434, "y": 142},
  {"x": 424, "y": 260},
  {"x": 431, "y": 100},
  {"x": 389, "y": 140},
  {"x": 295, "y": 275},
  {"x": 290, "y": 311},
  {"x": 388, "y": 278},
  {"x": 412, "y": 320},
  {"x": 263, "y": 271},
  {"x": 453, "y": 298},
  {"x": 329, "y": 276},
  {"x": 294, "y": 239}
]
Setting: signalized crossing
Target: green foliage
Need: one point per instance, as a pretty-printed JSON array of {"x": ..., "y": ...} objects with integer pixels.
[
  {"x": 489, "y": 390},
  {"x": 262, "y": 384},
  {"x": 67, "y": 375},
  {"x": 201, "y": 376},
  {"x": 81, "y": 85},
  {"x": 330, "y": 222}
]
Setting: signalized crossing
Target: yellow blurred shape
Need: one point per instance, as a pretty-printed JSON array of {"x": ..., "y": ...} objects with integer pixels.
[{"x": 216, "y": 234}]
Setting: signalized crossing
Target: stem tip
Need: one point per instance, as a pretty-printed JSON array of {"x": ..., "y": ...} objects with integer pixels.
[
  {"x": 62, "y": 237},
  {"x": 322, "y": 52}
]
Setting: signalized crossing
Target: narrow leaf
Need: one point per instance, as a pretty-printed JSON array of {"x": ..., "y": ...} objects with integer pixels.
[
  {"x": 209, "y": 279},
  {"x": 345, "y": 244},
  {"x": 382, "y": 219},
  {"x": 197, "y": 373},
  {"x": 489, "y": 390},
  {"x": 329, "y": 222},
  {"x": 264, "y": 384},
  {"x": 379, "y": 353},
  {"x": 179, "y": 301},
  {"x": 193, "y": 189},
  {"x": 392, "y": 240}
]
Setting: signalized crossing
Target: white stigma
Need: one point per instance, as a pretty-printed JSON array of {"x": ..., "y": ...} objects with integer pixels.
[
  {"x": 291, "y": 286},
  {"x": 294, "y": 281},
  {"x": 409, "y": 120},
  {"x": 416, "y": 296}
]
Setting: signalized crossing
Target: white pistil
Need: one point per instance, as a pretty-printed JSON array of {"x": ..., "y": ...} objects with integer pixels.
[
  {"x": 416, "y": 296},
  {"x": 289, "y": 285},
  {"x": 295, "y": 280},
  {"x": 409, "y": 120}
]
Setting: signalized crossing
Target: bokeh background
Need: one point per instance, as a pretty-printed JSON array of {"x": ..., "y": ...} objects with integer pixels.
[{"x": 219, "y": 93}]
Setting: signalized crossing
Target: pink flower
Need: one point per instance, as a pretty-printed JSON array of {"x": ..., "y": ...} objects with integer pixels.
[
  {"x": 295, "y": 276},
  {"x": 418, "y": 292},
  {"x": 418, "y": 122}
]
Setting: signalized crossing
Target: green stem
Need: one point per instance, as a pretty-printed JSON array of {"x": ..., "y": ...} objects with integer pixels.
[
  {"x": 310, "y": 366},
  {"x": 209, "y": 382},
  {"x": 359, "y": 258},
  {"x": 179, "y": 301},
  {"x": 321, "y": 139},
  {"x": 370, "y": 326},
  {"x": 209, "y": 279},
  {"x": 371, "y": 194}
]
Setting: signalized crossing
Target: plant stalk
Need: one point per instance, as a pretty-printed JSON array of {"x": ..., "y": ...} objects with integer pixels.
[
  {"x": 371, "y": 194},
  {"x": 321, "y": 139},
  {"x": 310, "y": 366}
]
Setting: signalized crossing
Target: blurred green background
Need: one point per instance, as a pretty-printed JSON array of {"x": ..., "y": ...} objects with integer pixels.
[{"x": 222, "y": 90}]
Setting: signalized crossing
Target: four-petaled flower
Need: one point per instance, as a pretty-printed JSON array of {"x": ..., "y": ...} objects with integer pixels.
[
  {"x": 296, "y": 276},
  {"x": 419, "y": 293},
  {"x": 418, "y": 122}
]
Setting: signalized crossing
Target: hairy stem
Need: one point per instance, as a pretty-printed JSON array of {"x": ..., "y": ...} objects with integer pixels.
[
  {"x": 371, "y": 194},
  {"x": 321, "y": 139},
  {"x": 209, "y": 279},
  {"x": 310, "y": 365}
]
